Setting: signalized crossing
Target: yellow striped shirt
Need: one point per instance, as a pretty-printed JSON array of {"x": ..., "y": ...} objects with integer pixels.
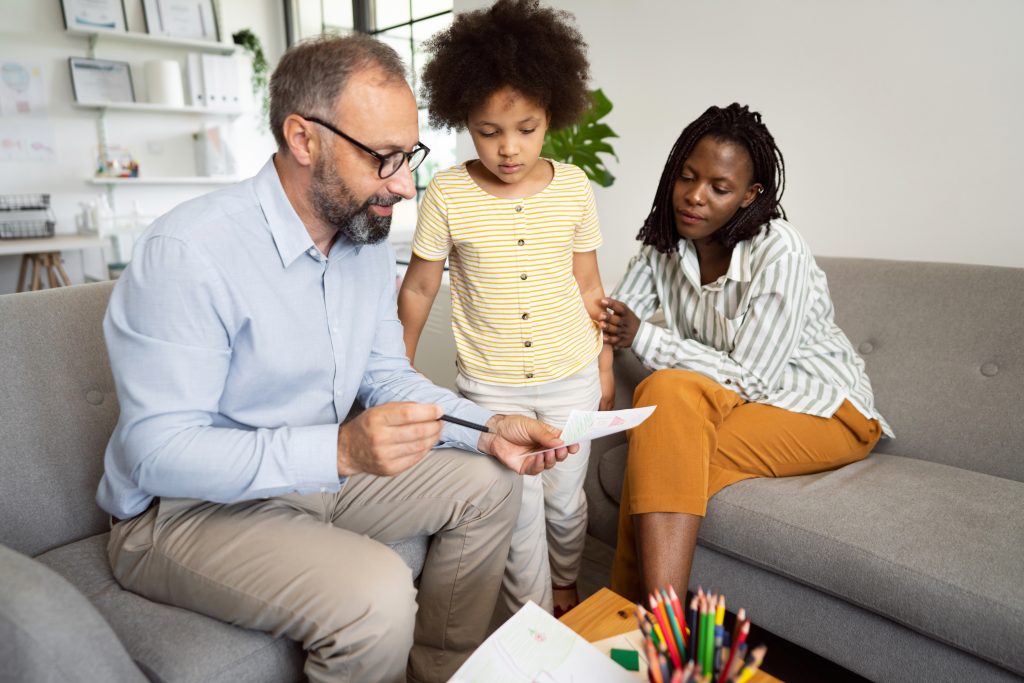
[{"x": 517, "y": 313}]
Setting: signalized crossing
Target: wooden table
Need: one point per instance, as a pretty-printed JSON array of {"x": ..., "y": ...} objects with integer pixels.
[{"x": 605, "y": 614}]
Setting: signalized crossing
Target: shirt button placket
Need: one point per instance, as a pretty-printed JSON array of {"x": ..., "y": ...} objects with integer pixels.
[{"x": 525, "y": 327}]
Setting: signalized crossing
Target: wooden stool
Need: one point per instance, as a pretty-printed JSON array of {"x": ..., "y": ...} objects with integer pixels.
[{"x": 51, "y": 262}]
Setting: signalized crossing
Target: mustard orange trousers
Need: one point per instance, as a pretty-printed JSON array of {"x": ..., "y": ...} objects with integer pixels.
[{"x": 704, "y": 437}]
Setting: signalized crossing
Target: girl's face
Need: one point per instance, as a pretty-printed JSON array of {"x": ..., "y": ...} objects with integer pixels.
[
  {"x": 508, "y": 132},
  {"x": 715, "y": 182}
]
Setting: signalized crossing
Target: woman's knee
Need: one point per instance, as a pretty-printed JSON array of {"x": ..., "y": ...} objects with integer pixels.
[{"x": 683, "y": 388}]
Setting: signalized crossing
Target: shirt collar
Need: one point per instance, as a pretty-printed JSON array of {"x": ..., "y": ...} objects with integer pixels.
[
  {"x": 290, "y": 235},
  {"x": 739, "y": 262}
]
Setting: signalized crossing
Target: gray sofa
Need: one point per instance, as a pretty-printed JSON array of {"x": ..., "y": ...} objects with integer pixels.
[
  {"x": 909, "y": 565},
  {"x": 63, "y": 617}
]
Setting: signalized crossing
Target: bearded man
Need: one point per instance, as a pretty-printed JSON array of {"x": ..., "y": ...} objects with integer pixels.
[{"x": 248, "y": 325}]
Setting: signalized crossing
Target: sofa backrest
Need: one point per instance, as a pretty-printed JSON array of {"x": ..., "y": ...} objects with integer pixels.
[
  {"x": 944, "y": 348},
  {"x": 57, "y": 410}
]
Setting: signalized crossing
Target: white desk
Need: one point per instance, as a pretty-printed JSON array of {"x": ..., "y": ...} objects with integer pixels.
[{"x": 43, "y": 253}]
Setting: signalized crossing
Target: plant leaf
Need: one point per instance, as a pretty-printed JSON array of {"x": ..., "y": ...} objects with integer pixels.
[{"x": 582, "y": 142}]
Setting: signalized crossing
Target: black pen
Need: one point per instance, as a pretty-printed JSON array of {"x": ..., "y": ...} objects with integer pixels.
[{"x": 465, "y": 423}]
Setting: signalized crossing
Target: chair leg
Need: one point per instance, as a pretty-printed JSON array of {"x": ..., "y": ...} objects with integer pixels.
[
  {"x": 59, "y": 262},
  {"x": 23, "y": 272},
  {"x": 37, "y": 273},
  {"x": 51, "y": 272}
]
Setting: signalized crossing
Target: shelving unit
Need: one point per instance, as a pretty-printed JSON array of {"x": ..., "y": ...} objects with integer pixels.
[
  {"x": 98, "y": 35},
  {"x": 182, "y": 180},
  {"x": 147, "y": 107}
]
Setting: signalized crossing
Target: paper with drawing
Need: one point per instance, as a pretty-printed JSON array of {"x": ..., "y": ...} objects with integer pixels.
[
  {"x": 584, "y": 425},
  {"x": 534, "y": 647}
]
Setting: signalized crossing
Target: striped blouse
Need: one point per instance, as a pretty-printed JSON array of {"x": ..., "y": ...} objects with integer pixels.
[
  {"x": 765, "y": 329},
  {"x": 517, "y": 313}
]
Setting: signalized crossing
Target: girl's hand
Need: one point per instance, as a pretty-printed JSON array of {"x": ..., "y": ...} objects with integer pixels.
[{"x": 618, "y": 323}]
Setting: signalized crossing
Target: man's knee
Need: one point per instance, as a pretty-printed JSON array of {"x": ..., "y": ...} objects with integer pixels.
[
  {"x": 493, "y": 488},
  {"x": 377, "y": 605}
]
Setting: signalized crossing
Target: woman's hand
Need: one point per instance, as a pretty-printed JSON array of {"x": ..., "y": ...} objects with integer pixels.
[{"x": 618, "y": 323}]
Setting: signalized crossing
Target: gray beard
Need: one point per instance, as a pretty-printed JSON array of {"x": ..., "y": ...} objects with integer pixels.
[{"x": 335, "y": 204}]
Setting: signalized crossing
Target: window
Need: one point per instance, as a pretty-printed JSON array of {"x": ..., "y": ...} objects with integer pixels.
[{"x": 402, "y": 24}]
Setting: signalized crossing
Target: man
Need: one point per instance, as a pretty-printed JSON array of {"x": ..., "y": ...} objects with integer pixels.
[{"x": 246, "y": 326}]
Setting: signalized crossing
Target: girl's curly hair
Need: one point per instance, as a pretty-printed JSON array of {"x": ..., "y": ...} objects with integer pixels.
[{"x": 535, "y": 50}]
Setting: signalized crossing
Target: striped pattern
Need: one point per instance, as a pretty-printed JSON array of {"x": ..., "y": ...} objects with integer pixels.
[
  {"x": 517, "y": 314},
  {"x": 765, "y": 329}
]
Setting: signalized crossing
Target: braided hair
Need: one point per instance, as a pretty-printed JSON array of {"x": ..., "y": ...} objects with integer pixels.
[{"x": 736, "y": 124}]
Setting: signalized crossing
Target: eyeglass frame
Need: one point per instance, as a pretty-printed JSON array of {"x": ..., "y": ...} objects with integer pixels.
[{"x": 382, "y": 158}]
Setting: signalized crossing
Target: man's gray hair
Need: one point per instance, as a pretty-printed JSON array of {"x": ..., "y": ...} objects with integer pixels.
[{"x": 312, "y": 74}]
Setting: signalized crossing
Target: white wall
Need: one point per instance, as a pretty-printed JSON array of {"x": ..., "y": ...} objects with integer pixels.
[
  {"x": 900, "y": 120},
  {"x": 32, "y": 30}
]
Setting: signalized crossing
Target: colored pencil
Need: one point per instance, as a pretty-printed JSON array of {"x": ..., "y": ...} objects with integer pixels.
[
  {"x": 679, "y": 613},
  {"x": 740, "y": 639},
  {"x": 659, "y": 612},
  {"x": 674, "y": 622},
  {"x": 465, "y": 423}
]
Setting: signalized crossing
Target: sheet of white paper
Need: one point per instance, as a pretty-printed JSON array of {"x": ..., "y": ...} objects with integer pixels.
[
  {"x": 534, "y": 647},
  {"x": 633, "y": 640},
  {"x": 584, "y": 425}
]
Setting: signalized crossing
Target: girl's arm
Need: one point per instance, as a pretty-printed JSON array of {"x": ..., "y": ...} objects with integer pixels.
[
  {"x": 584, "y": 269},
  {"x": 419, "y": 288}
]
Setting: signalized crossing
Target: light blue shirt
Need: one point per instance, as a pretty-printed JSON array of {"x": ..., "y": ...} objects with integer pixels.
[{"x": 237, "y": 348}]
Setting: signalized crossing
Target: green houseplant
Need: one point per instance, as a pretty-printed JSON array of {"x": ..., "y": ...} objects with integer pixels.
[
  {"x": 250, "y": 42},
  {"x": 582, "y": 142}
]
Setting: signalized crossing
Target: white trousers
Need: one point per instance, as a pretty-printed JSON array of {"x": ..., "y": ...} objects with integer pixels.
[{"x": 547, "y": 543}]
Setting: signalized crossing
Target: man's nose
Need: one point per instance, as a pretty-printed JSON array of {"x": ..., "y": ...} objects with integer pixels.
[{"x": 402, "y": 182}]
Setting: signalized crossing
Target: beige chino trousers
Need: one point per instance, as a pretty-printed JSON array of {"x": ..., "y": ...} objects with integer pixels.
[{"x": 313, "y": 567}]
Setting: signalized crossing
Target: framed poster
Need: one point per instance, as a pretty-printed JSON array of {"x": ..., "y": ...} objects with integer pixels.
[
  {"x": 99, "y": 81},
  {"x": 104, "y": 15},
  {"x": 196, "y": 19}
]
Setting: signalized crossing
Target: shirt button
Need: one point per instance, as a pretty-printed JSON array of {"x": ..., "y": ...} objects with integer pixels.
[
  {"x": 695, "y": 330},
  {"x": 521, "y": 242},
  {"x": 526, "y": 316},
  {"x": 529, "y": 375},
  {"x": 523, "y": 276},
  {"x": 519, "y": 209},
  {"x": 528, "y": 344},
  {"x": 728, "y": 381}
]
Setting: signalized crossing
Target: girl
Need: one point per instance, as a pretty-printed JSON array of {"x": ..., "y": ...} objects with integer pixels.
[
  {"x": 520, "y": 234},
  {"x": 752, "y": 376}
]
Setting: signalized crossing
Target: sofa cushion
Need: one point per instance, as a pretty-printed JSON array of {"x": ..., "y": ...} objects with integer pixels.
[
  {"x": 935, "y": 548},
  {"x": 59, "y": 408},
  {"x": 173, "y": 644},
  {"x": 942, "y": 344},
  {"x": 50, "y": 632}
]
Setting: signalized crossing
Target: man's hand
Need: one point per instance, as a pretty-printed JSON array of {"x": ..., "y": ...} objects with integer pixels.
[
  {"x": 512, "y": 436},
  {"x": 388, "y": 439},
  {"x": 620, "y": 325}
]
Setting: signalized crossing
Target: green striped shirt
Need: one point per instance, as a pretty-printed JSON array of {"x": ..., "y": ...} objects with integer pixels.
[{"x": 766, "y": 329}]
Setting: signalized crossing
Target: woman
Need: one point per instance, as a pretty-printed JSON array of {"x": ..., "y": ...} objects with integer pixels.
[{"x": 752, "y": 376}]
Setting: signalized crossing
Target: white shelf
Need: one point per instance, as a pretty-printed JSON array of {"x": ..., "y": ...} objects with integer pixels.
[
  {"x": 191, "y": 180},
  {"x": 157, "y": 108},
  {"x": 165, "y": 41}
]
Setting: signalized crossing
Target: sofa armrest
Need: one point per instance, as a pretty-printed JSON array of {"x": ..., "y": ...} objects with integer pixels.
[{"x": 49, "y": 631}]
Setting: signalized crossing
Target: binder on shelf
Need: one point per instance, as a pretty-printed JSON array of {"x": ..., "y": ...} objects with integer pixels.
[
  {"x": 220, "y": 81},
  {"x": 194, "y": 69}
]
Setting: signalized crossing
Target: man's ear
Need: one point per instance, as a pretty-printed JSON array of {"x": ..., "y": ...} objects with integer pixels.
[
  {"x": 302, "y": 145},
  {"x": 751, "y": 195}
]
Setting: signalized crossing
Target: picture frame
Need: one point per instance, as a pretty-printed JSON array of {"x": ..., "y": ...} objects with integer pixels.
[
  {"x": 94, "y": 15},
  {"x": 193, "y": 19},
  {"x": 101, "y": 81}
]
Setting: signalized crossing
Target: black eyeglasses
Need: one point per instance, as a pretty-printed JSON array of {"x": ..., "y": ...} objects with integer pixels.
[{"x": 389, "y": 163}]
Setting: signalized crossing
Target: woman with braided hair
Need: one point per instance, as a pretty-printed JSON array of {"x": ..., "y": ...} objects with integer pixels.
[{"x": 752, "y": 377}]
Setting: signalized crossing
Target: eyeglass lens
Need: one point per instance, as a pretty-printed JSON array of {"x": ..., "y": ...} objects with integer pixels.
[{"x": 394, "y": 161}]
